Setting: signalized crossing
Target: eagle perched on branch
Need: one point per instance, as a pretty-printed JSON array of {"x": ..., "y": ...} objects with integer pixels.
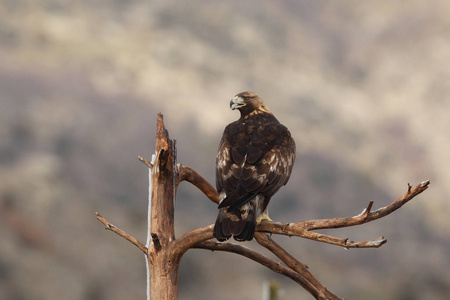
[{"x": 255, "y": 159}]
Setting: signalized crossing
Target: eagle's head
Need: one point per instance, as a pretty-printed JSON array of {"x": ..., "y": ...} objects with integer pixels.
[{"x": 248, "y": 103}]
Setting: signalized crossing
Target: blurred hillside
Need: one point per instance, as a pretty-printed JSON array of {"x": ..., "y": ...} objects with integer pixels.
[{"x": 363, "y": 87}]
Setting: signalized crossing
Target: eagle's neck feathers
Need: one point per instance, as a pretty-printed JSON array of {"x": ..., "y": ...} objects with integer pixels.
[{"x": 257, "y": 111}]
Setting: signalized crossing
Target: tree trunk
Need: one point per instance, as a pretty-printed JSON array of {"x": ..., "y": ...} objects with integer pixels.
[
  {"x": 162, "y": 259},
  {"x": 164, "y": 277}
]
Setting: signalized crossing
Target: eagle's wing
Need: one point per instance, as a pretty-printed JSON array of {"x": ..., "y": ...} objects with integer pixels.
[{"x": 251, "y": 164}]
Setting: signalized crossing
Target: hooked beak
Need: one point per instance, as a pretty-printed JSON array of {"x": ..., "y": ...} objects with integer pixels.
[{"x": 237, "y": 102}]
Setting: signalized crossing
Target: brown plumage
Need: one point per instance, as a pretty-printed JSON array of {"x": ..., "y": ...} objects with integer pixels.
[{"x": 255, "y": 159}]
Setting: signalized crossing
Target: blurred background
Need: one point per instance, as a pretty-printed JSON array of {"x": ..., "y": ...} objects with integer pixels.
[{"x": 363, "y": 87}]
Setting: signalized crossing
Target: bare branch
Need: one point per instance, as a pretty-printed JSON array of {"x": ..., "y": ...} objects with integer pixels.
[
  {"x": 122, "y": 233},
  {"x": 295, "y": 229},
  {"x": 145, "y": 161},
  {"x": 367, "y": 215},
  {"x": 189, "y": 239},
  {"x": 190, "y": 175},
  {"x": 303, "y": 229},
  {"x": 261, "y": 259},
  {"x": 302, "y": 269}
]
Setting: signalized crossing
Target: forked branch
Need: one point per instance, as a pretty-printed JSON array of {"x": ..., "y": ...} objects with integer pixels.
[
  {"x": 303, "y": 228},
  {"x": 263, "y": 260},
  {"x": 165, "y": 251},
  {"x": 294, "y": 269},
  {"x": 299, "y": 267},
  {"x": 367, "y": 215}
]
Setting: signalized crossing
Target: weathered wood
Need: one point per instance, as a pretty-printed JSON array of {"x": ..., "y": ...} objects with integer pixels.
[
  {"x": 312, "y": 285},
  {"x": 163, "y": 264},
  {"x": 164, "y": 252}
]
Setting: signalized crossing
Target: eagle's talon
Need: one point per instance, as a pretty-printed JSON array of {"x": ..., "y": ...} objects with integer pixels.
[{"x": 263, "y": 218}]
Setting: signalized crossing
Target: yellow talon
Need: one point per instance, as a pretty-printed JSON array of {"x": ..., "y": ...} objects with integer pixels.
[{"x": 263, "y": 217}]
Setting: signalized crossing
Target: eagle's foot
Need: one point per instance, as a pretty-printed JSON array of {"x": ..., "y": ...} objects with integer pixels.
[{"x": 263, "y": 217}]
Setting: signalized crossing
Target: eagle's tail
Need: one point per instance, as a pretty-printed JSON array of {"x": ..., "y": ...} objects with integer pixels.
[{"x": 239, "y": 223}]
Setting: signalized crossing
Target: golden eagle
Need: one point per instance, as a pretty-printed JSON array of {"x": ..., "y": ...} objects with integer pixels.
[{"x": 255, "y": 159}]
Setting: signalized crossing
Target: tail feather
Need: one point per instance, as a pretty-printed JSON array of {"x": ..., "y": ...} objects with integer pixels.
[
  {"x": 221, "y": 231},
  {"x": 247, "y": 232},
  {"x": 239, "y": 223}
]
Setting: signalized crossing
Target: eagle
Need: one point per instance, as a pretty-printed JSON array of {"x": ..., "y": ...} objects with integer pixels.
[{"x": 255, "y": 159}]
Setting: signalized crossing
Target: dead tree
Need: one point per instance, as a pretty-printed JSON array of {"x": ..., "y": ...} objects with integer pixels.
[{"x": 163, "y": 251}]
